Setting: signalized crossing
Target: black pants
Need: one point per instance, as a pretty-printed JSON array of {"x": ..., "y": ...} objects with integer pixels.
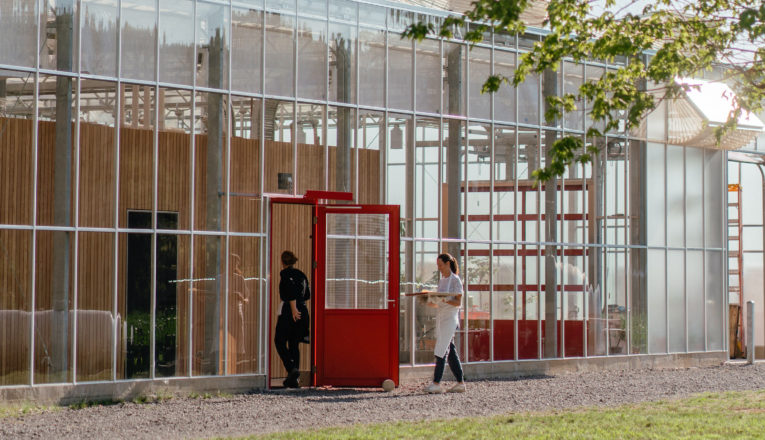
[
  {"x": 287, "y": 343},
  {"x": 454, "y": 365}
]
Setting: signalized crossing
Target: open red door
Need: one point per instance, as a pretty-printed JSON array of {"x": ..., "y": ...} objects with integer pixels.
[{"x": 356, "y": 294}]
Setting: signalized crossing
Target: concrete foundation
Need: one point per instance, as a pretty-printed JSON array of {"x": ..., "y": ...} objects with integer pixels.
[{"x": 66, "y": 394}]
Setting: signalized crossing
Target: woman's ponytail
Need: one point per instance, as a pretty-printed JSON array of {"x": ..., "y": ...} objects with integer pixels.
[{"x": 447, "y": 258}]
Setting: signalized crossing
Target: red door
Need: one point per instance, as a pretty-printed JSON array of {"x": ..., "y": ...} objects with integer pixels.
[{"x": 357, "y": 290}]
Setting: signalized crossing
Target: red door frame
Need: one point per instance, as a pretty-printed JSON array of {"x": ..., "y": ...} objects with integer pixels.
[
  {"x": 311, "y": 198},
  {"x": 320, "y": 240},
  {"x": 315, "y": 198}
]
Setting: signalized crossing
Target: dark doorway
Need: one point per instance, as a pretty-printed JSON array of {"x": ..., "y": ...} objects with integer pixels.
[{"x": 138, "y": 319}]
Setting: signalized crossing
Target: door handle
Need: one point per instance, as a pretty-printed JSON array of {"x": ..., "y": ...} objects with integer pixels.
[{"x": 391, "y": 300}]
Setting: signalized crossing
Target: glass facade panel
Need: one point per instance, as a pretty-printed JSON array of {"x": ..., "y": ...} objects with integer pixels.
[
  {"x": 715, "y": 301},
  {"x": 96, "y": 322},
  {"x": 428, "y": 77},
  {"x": 503, "y": 197},
  {"x": 57, "y": 100},
  {"x": 714, "y": 198},
  {"x": 311, "y": 148},
  {"x": 246, "y": 50},
  {"x": 176, "y": 41},
  {"x": 480, "y": 69},
  {"x": 476, "y": 313},
  {"x": 400, "y": 71},
  {"x": 655, "y": 217},
  {"x": 453, "y": 167},
  {"x": 676, "y": 301},
  {"x": 136, "y": 166},
  {"x": 370, "y": 136},
  {"x": 312, "y": 59},
  {"x": 213, "y": 45},
  {"x": 455, "y": 68},
  {"x": 211, "y": 151},
  {"x": 244, "y": 295},
  {"x": 675, "y": 197},
  {"x": 426, "y": 278},
  {"x": 18, "y": 42},
  {"x": 573, "y": 78},
  {"x": 99, "y": 37},
  {"x": 279, "y": 158},
  {"x": 694, "y": 197},
  {"x": 342, "y": 153},
  {"x": 505, "y": 98},
  {"x": 17, "y": 147},
  {"x": 280, "y": 54},
  {"x": 174, "y": 155},
  {"x": 15, "y": 306},
  {"x": 244, "y": 197},
  {"x": 399, "y": 175},
  {"x": 139, "y": 39},
  {"x": 98, "y": 153},
  {"x": 695, "y": 275},
  {"x": 656, "y": 279},
  {"x": 528, "y": 93},
  {"x": 479, "y": 196},
  {"x": 372, "y": 67},
  {"x": 426, "y": 177},
  {"x": 58, "y": 49},
  {"x": 407, "y": 285},
  {"x": 504, "y": 301},
  {"x": 54, "y": 307},
  {"x": 342, "y": 63},
  {"x": 207, "y": 303}
]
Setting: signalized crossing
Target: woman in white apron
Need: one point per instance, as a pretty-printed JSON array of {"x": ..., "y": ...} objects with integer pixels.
[{"x": 447, "y": 321}]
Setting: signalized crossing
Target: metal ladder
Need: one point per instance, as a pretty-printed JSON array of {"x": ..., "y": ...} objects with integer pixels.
[{"x": 736, "y": 264}]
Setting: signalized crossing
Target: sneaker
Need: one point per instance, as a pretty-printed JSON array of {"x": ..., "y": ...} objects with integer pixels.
[
  {"x": 435, "y": 388},
  {"x": 458, "y": 388}
]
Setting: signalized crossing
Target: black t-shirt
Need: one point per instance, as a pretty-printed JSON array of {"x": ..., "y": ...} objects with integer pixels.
[{"x": 294, "y": 286}]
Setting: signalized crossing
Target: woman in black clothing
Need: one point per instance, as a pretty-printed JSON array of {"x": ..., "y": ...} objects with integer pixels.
[{"x": 292, "y": 326}]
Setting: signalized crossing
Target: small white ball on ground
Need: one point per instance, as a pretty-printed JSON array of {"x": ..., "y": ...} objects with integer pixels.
[{"x": 388, "y": 385}]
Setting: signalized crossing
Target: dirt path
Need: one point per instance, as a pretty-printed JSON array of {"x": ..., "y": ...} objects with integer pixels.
[{"x": 185, "y": 417}]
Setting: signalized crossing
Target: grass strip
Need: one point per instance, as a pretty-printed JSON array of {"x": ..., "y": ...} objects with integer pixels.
[{"x": 730, "y": 415}]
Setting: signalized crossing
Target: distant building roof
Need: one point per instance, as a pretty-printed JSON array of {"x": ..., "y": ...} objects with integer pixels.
[{"x": 704, "y": 107}]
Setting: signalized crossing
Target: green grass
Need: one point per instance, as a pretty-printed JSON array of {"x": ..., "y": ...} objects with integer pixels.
[
  {"x": 19, "y": 409},
  {"x": 709, "y": 416}
]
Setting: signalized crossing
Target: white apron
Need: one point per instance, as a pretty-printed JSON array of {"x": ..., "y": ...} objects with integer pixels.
[{"x": 447, "y": 318}]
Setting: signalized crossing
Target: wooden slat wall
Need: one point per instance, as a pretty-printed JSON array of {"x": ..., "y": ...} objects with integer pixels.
[
  {"x": 15, "y": 305},
  {"x": 291, "y": 231},
  {"x": 96, "y": 252},
  {"x": 16, "y": 170}
]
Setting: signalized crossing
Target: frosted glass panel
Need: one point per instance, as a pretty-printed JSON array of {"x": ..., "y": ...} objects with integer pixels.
[
  {"x": 714, "y": 296},
  {"x": 675, "y": 202},
  {"x": 676, "y": 300},
  {"x": 655, "y": 210},
  {"x": 695, "y": 287},
  {"x": 694, "y": 197},
  {"x": 713, "y": 198},
  {"x": 657, "y": 306}
]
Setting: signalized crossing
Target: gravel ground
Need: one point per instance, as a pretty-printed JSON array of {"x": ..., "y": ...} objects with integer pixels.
[{"x": 267, "y": 411}]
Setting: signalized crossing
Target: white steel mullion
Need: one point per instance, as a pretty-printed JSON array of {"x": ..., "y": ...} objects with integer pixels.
[
  {"x": 75, "y": 186},
  {"x": 230, "y": 122},
  {"x": 155, "y": 179},
  {"x": 685, "y": 244},
  {"x": 704, "y": 244},
  {"x": 117, "y": 129},
  {"x": 264, "y": 312},
  {"x": 33, "y": 284}
]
